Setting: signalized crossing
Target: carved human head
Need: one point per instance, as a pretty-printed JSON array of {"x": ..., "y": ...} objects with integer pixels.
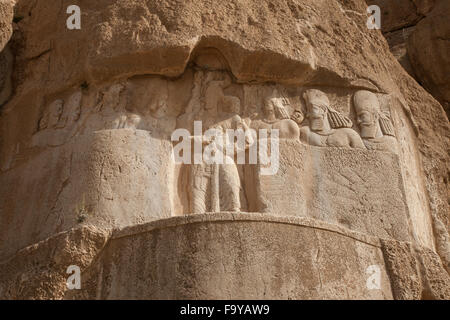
[
  {"x": 274, "y": 108},
  {"x": 55, "y": 112},
  {"x": 232, "y": 104},
  {"x": 159, "y": 98},
  {"x": 74, "y": 107},
  {"x": 367, "y": 109},
  {"x": 369, "y": 116},
  {"x": 321, "y": 116},
  {"x": 269, "y": 108},
  {"x": 298, "y": 117},
  {"x": 317, "y": 104}
]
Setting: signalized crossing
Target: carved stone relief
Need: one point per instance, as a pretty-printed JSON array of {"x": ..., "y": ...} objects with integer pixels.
[
  {"x": 59, "y": 117},
  {"x": 326, "y": 126},
  {"x": 376, "y": 127},
  {"x": 213, "y": 187},
  {"x": 258, "y": 107},
  {"x": 308, "y": 122}
]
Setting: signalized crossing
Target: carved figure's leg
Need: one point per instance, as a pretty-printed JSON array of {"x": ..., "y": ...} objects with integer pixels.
[
  {"x": 230, "y": 188},
  {"x": 199, "y": 188}
]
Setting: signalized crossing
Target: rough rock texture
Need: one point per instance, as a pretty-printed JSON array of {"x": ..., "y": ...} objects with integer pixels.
[
  {"x": 6, "y": 58},
  {"x": 400, "y": 14},
  {"x": 40, "y": 271},
  {"x": 417, "y": 32},
  {"x": 429, "y": 51},
  {"x": 85, "y": 148},
  {"x": 6, "y": 19},
  {"x": 415, "y": 273},
  {"x": 403, "y": 270},
  {"x": 187, "y": 258}
]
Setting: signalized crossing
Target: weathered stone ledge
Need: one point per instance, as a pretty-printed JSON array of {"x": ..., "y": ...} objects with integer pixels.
[{"x": 243, "y": 216}]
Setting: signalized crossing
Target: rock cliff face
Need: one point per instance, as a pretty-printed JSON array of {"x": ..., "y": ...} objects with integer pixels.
[
  {"x": 6, "y": 17},
  {"x": 358, "y": 175},
  {"x": 418, "y": 34}
]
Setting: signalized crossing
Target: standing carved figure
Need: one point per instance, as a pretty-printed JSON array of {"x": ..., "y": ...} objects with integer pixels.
[
  {"x": 229, "y": 179},
  {"x": 213, "y": 186}
]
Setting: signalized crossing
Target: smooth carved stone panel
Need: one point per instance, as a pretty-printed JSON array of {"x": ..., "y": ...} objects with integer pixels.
[
  {"x": 224, "y": 256},
  {"x": 285, "y": 193},
  {"x": 111, "y": 177},
  {"x": 338, "y": 160},
  {"x": 415, "y": 187},
  {"x": 358, "y": 189},
  {"x": 134, "y": 174}
]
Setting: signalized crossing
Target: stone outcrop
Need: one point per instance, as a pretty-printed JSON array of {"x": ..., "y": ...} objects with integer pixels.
[
  {"x": 6, "y": 20},
  {"x": 39, "y": 271},
  {"x": 429, "y": 48},
  {"x": 357, "y": 180},
  {"x": 186, "y": 258},
  {"x": 6, "y": 58},
  {"x": 417, "y": 32}
]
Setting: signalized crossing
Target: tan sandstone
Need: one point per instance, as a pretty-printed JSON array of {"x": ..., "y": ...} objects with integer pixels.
[
  {"x": 417, "y": 32},
  {"x": 87, "y": 175}
]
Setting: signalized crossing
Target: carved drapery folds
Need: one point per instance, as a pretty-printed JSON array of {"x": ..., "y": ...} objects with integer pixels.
[
  {"x": 318, "y": 131},
  {"x": 353, "y": 120}
]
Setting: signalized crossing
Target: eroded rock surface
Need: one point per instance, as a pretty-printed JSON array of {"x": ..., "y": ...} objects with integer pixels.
[
  {"x": 417, "y": 32},
  {"x": 429, "y": 51},
  {"x": 6, "y": 57},
  {"x": 87, "y": 154},
  {"x": 6, "y": 20}
]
